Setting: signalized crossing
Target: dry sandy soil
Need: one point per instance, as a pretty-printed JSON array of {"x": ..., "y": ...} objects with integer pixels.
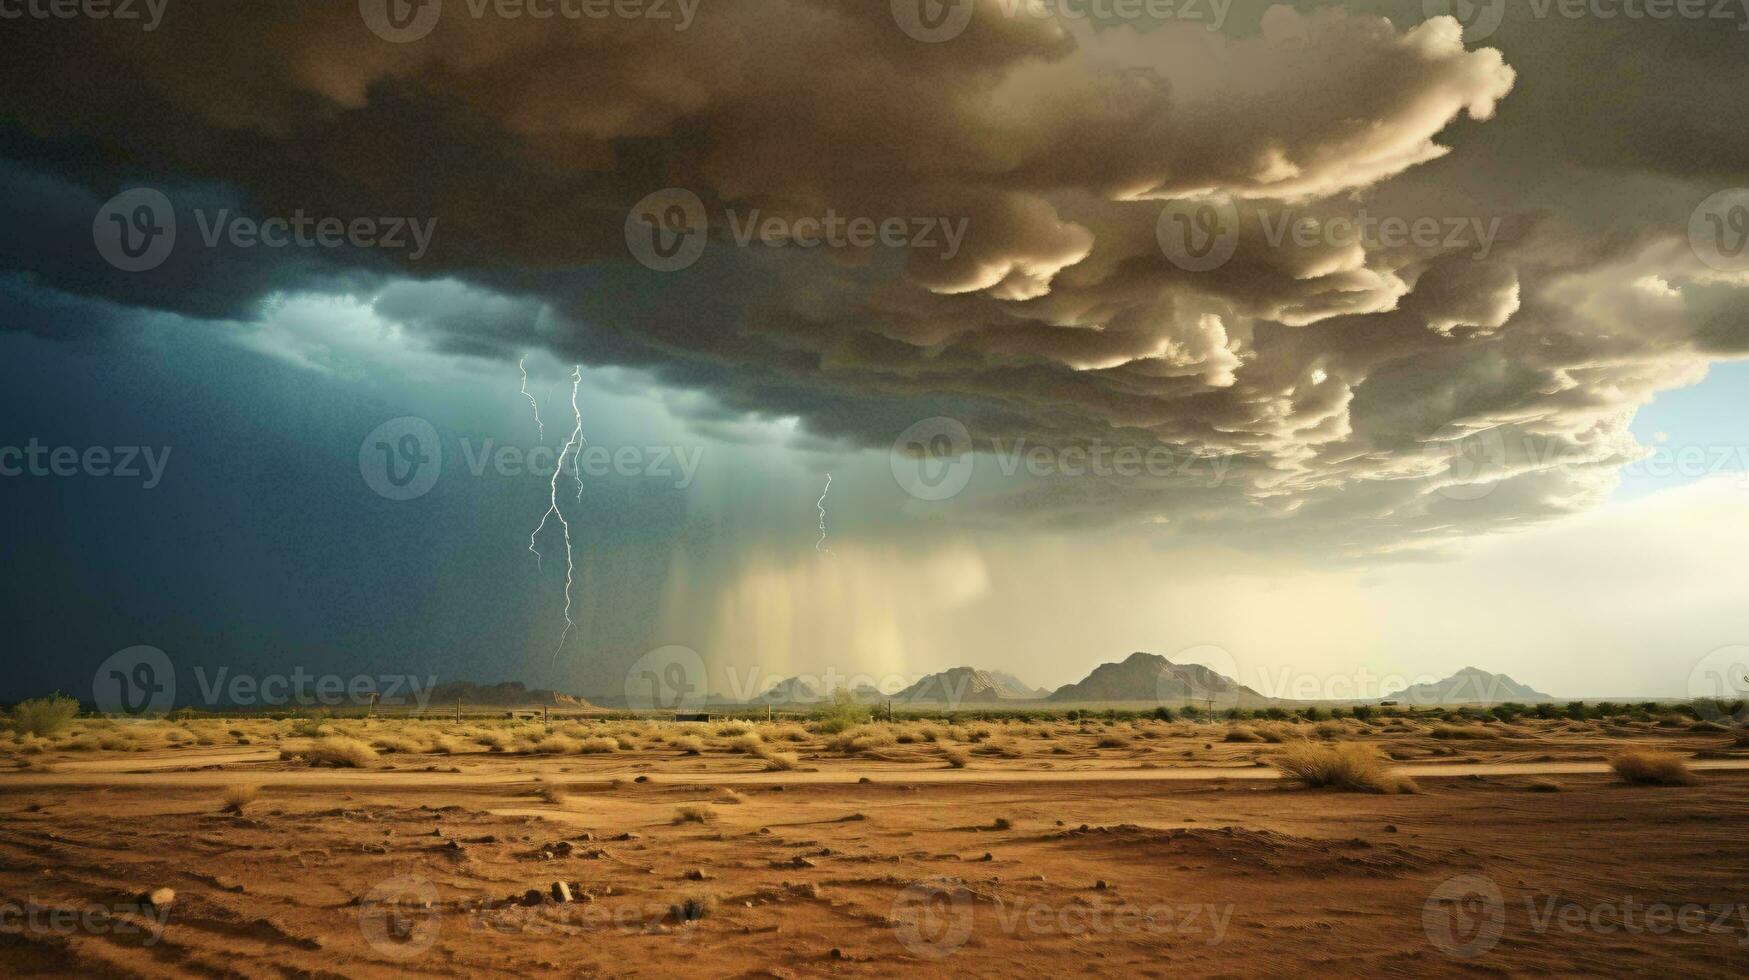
[{"x": 1167, "y": 852}]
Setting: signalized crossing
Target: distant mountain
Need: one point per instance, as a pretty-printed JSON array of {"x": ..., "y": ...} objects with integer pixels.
[
  {"x": 793, "y": 690},
  {"x": 798, "y": 690},
  {"x": 1151, "y": 677},
  {"x": 961, "y": 685},
  {"x": 510, "y": 694},
  {"x": 1472, "y": 685},
  {"x": 1014, "y": 683}
]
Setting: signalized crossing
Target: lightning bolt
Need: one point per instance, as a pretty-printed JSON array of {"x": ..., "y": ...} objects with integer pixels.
[
  {"x": 820, "y": 545},
  {"x": 522, "y": 365},
  {"x": 573, "y": 444}
]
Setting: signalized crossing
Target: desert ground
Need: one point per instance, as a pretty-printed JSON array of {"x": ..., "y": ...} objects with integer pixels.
[{"x": 1087, "y": 846}]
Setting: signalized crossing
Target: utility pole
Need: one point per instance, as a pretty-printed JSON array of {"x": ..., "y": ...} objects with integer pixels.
[{"x": 458, "y": 710}]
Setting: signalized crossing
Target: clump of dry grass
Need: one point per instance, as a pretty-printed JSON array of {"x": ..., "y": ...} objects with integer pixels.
[
  {"x": 340, "y": 752},
  {"x": 687, "y": 745},
  {"x": 1352, "y": 766},
  {"x": 694, "y": 813},
  {"x": 1240, "y": 733},
  {"x": 861, "y": 740},
  {"x": 597, "y": 746},
  {"x": 775, "y": 761},
  {"x": 1277, "y": 734},
  {"x": 238, "y": 796},
  {"x": 957, "y": 758},
  {"x": 1652, "y": 767},
  {"x": 557, "y": 745},
  {"x": 1113, "y": 742},
  {"x": 390, "y": 742}
]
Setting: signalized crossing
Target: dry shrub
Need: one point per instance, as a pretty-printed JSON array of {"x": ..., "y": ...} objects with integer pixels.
[
  {"x": 1113, "y": 742},
  {"x": 1349, "y": 766},
  {"x": 694, "y": 813},
  {"x": 557, "y": 745},
  {"x": 238, "y": 796},
  {"x": 859, "y": 740},
  {"x": 399, "y": 743},
  {"x": 686, "y": 744},
  {"x": 692, "y": 908},
  {"x": 1240, "y": 733},
  {"x": 1277, "y": 734},
  {"x": 957, "y": 758},
  {"x": 597, "y": 746},
  {"x": 1330, "y": 730},
  {"x": 340, "y": 752},
  {"x": 775, "y": 761},
  {"x": 1652, "y": 767}
]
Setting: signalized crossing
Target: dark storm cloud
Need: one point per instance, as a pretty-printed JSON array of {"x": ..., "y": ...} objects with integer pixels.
[{"x": 1334, "y": 373}]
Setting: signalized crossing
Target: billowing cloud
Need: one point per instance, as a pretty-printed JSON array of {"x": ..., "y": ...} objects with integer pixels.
[{"x": 1384, "y": 360}]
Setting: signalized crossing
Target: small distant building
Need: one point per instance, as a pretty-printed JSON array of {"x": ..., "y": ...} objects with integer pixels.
[{"x": 694, "y": 716}]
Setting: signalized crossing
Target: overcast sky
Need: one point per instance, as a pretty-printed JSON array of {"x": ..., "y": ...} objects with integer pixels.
[{"x": 1320, "y": 342}]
